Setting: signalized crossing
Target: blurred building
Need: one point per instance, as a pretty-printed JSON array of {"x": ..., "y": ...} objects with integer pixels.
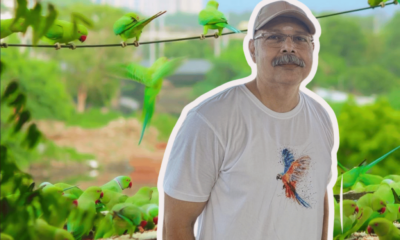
[{"x": 149, "y": 7}]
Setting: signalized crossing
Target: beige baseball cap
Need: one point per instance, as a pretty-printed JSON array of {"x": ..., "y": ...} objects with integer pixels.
[{"x": 283, "y": 9}]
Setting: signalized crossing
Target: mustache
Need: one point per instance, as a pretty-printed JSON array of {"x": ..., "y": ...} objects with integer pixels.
[{"x": 286, "y": 59}]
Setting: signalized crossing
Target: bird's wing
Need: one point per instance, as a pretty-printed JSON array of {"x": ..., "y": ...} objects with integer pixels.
[
  {"x": 55, "y": 32},
  {"x": 124, "y": 23},
  {"x": 166, "y": 69},
  {"x": 288, "y": 158},
  {"x": 298, "y": 168},
  {"x": 139, "y": 74},
  {"x": 211, "y": 17}
]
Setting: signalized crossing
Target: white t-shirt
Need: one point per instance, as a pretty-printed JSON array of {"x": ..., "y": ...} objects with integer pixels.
[{"x": 230, "y": 151}]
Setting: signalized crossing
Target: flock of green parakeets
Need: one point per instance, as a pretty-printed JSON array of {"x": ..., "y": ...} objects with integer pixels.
[
  {"x": 127, "y": 27},
  {"x": 99, "y": 212},
  {"x": 103, "y": 212},
  {"x": 374, "y": 212}
]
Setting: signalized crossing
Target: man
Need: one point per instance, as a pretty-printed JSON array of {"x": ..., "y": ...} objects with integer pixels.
[{"x": 254, "y": 160}]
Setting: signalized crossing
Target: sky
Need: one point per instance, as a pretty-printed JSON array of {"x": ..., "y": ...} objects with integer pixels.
[{"x": 240, "y": 6}]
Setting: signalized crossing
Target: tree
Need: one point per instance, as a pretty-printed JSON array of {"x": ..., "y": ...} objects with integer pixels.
[
  {"x": 87, "y": 71},
  {"x": 368, "y": 132}
]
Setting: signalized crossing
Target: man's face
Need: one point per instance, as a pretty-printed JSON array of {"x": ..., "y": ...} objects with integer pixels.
[{"x": 263, "y": 54}]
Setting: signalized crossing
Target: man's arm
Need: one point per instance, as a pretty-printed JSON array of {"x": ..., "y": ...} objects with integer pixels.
[
  {"x": 179, "y": 218},
  {"x": 326, "y": 218}
]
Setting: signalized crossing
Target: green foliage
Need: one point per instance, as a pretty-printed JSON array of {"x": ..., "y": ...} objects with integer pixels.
[
  {"x": 41, "y": 82},
  {"x": 368, "y": 131}
]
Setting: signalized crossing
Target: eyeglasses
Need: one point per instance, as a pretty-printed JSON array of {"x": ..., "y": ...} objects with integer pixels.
[{"x": 275, "y": 40}]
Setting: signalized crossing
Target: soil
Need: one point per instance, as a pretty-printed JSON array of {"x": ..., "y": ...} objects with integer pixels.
[{"x": 115, "y": 147}]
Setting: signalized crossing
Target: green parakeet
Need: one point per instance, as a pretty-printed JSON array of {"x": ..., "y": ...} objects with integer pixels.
[
  {"x": 395, "y": 178},
  {"x": 384, "y": 229},
  {"x": 6, "y": 30},
  {"x": 392, "y": 212},
  {"x": 126, "y": 216},
  {"x": 141, "y": 197},
  {"x": 105, "y": 229},
  {"x": 374, "y": 3},
  {"x": 154, "y": 196},
  {"x": 337, "y": 227},
  {"x": 352, "y": 176},
  {"x": 375, "y": 202},
  {"x": 211, "y": 18},
  {"x": 152, "y": 78},
  {"x": 370, "y": 179},
  {"x": 385, "y": 192},
  {"x": 63, "y": 32},
  {"x": 151, "y": 210},
  {"x": 44, "y": 231},
  {"x": 80, "y": 220},
  {"x": 70, "y": 189},
  {"x": 129, "y": 26},
  {"x": 361, "y": 218},
  {"x": 111, "y": 198},
  {"x": 57, "y": 207},
  {"x": 118, "y": 184}
]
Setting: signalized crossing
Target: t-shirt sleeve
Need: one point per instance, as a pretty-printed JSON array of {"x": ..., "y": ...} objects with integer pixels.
[{"x": 194, "y": 162}]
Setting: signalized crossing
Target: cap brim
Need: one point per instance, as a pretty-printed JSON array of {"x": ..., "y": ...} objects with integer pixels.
[{"x": 289, "y": 13}]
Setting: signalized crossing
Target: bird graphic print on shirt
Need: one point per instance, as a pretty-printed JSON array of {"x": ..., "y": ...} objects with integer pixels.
[{"x": 294, "y": 171}]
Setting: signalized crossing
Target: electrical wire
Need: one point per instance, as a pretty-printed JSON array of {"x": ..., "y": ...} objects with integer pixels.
[{"x": 5, "y": 45}]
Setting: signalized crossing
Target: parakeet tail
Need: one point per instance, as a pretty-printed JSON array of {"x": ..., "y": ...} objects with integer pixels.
[
  {"x": 225, "y": 25},
  {"x": 148, "y": 20},
  {"x": 366, "y": 168},
  {"x": 301, "y": 201},
  {"x": 148, "y": 114}
]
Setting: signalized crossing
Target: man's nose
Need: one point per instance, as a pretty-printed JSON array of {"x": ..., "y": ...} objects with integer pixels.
[{"x": 288, "y": 45}]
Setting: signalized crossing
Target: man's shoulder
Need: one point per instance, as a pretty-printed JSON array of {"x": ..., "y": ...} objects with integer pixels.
[{"x": 220, "y": 103}]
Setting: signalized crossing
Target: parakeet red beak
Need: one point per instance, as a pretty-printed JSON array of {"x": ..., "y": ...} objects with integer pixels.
[
  {"x": 155, "y": 220},
  {"x": 356, "y": 209},
  {"x": 130, "y": 185},
  {"x": 370, "y": 230},
  {"x": 383, "y": 210},
  {"x": 143, "y": 223},
  {"x": 75, "y": 202},
  {"x": 82, "y": 38},
  {"x": 101, "y": 195},
  {"x": 97, "y": 201}
]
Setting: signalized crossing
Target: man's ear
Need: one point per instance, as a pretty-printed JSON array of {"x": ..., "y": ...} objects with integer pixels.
[
  {"x": 313, "y": 46},
  {"x": 252, "y": 49}
]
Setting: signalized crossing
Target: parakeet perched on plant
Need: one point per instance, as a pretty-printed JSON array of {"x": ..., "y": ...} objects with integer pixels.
[
  {"x": 80, "y": 220},
  {"x": 211, "y": 18},
  {"x": 152, "y": 78},
  {"x": 118, "y": 184},
  {"x": 129, "y": 26},
  {"x": 374, "y": 3},
  {"x": 352, "y": 176},
  {"x": 384, "y": 229},
  {"x": 5, "y": 27},
  {"x": 63, "y": 32}
]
